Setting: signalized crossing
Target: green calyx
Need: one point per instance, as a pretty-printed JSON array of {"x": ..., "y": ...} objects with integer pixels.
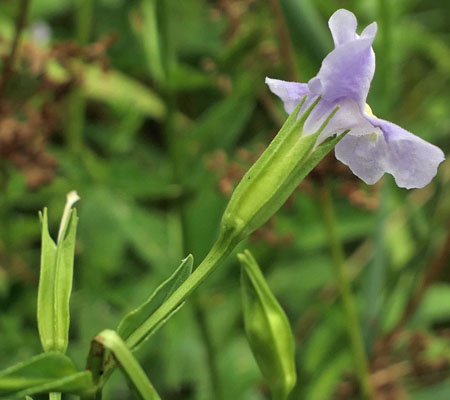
[{"x": 276, "y": 174}]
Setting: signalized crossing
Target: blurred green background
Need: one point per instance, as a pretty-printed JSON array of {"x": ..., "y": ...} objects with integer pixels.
[{"x": 152, "y": 111}]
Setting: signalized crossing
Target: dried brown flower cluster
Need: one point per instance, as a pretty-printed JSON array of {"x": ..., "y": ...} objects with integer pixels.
[
  {"x": 30, "y": 115},
  {"x": 24, "y": 144}
]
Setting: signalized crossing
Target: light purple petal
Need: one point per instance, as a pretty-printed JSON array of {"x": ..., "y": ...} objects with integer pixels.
[
  {"x": 349, "y": 115},
  {"x": 369, "y": 31},
  {"x": 347, "y": 71},
  {"x": 343, "y": 25},
  {"x": 365, "y": 157},
  {"x": 412, "y": 161},
  {"x": 290, "y": 92}
]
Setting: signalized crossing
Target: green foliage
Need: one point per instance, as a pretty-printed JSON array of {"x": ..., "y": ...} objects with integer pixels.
[
  {"x": 145, "y": 205},
  {"x": 43, "y": 373},
  {"x": 136, "y": 319}
]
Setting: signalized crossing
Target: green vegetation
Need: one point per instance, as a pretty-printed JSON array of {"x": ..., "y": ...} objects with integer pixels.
[{"x": 153, "y": 111}]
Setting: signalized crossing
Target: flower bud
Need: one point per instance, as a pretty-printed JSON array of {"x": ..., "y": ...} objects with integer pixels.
[
  {"x": 55, "y": 280},
  {"x": 268, "y": 331}
]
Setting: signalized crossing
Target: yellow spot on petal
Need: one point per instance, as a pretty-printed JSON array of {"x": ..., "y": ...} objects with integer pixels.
[
  {"x": 368, "y": 110},
  {"x": 373, "y": 137}
]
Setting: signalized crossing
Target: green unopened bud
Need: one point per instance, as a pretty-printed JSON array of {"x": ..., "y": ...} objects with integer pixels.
[
  {"x": 268, "y": 331},
  {"x": 275, "y": 175},
  {"x": 55, "y": 280}
]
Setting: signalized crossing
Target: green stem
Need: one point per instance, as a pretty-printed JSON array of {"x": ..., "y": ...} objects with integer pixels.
[
  {"x": 221, "y": 249},
  {"x": 348, "y": 302},
  {"x": 54, "y": 396}
]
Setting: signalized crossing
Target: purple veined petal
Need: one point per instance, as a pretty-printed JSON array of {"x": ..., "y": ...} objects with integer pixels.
[
  {"x": 343, "y": 25},
  {"x": 290, "y": 92},
  {"x": 411, "y": 160},
  {"x": 347, "y": 71}
]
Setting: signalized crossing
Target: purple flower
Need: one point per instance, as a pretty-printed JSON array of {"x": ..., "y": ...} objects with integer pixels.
[{"x": 373, "y": 146}]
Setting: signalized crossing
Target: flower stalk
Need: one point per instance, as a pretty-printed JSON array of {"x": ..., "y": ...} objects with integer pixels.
[{"x": 220, "y": 250}]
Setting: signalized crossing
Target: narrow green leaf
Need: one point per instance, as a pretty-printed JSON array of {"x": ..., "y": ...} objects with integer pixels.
[
  {"x": 117, "y": 89},
  {"x": 137, "y": 317},
  {"x": 43, "y": 373},
  {"x": 149, "y": 34},
  {"x": 268, "y": 330},
  {"x": 128, "y": 364},
  {"x": 37, "y": 370},
  {"x": 46, "y": 293},
  {"x": 78, "y": 383}
]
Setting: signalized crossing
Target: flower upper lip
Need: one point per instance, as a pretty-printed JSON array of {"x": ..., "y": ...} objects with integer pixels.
[{"x": 347, "y": 71}]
